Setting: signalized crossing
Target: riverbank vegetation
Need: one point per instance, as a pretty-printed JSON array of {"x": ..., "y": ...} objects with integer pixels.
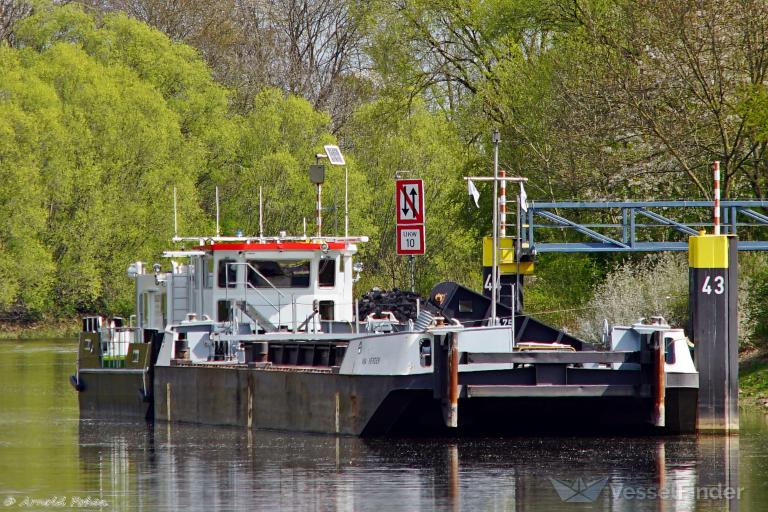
[{"x": 107, "y": 106}]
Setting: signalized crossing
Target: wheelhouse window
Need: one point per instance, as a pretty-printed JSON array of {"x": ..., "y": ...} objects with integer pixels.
[
  {"x": 280, "y": 273},
  {"x": 227, "y": 274},
  {"x": 326, "y": 275}
]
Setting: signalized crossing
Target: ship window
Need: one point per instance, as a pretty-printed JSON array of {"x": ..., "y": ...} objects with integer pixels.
[
  {"x": 327, "y": 273},
  {"x": 227, "y": 274},
  {"x": 223, "y": 311},
  {"x": 669, "y": 350},
  {"x": 280, "y": 273},
  {"x": 136, "y": 354},
  {"x": 144, "y": 304},
  {"x": 325, "y": 308},
  {"x": 465, "y": 306},
  {"x": 425, "y": 352},
  {"x": 164, "y": 308}
]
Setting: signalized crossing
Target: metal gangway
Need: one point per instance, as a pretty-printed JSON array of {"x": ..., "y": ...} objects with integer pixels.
[{"x": 636, "y": 226}]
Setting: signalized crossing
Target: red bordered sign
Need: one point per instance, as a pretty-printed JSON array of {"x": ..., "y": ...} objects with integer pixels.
[
  {"x": 410, "y": 240},
  {"x": 409, "y": 199}
]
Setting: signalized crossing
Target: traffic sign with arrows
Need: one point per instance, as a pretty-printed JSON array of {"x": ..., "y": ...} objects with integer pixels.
[{"x": 409, "y": 198}]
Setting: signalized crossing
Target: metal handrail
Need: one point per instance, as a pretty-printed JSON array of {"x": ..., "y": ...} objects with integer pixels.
[
  {"x": 249, "y": 286},
  {"x": 631, "y": 211},
  {"x": 112, "y": 346},
  {"x": 251, "y": 267}
]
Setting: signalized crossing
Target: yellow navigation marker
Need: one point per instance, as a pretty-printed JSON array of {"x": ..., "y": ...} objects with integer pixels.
[
  {"x": 708, "y": 251},
  {"x": 506, "y": 257}
]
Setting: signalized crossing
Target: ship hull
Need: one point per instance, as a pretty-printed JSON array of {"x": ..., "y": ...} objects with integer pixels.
[
  {"x": 330, "y": 403},
  {"x": 114, "y": 393}
]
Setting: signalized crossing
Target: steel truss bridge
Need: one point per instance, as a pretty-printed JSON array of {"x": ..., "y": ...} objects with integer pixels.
[{"x": 638, "y": 226}]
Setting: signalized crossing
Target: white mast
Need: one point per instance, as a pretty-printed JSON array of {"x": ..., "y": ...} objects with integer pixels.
[
  {"x": 495, "y": 270},
  {"x": 495, "y": 138},
  {"x": 346, "y": 202},
  {"x": 175, "y": 216},
  {"x": 261, "y": 214},
  {"x": 217, "y": 211}
]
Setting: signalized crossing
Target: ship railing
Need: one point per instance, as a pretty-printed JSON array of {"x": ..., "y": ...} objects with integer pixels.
[
  {"x": 248, "y": 286},
  {"x": 557, "y": 373},
  {"x": 115, "y": 342}
]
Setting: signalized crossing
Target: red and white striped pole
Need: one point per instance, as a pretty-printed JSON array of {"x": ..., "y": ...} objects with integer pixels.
[
  {"x": 716, "y": 218},
  {"x": 502, "y": 204}
]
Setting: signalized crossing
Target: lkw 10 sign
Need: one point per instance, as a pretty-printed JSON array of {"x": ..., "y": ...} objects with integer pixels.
[
  {"x": 409, "y": 201},
  {"x": 410, "y": 239}
]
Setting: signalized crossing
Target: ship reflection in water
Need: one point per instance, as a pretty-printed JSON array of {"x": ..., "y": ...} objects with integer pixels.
[
  {"x": 185, "y": 467},
  {"x": 49, "y": 457}
]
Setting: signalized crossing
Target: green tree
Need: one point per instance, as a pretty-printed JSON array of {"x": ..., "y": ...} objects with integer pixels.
[
  {"x": 25, "y": 262},
  {"x": 116, "y": 135},
  {"x": 419, "y": 145},
  {"x": 276, "y": 143}
]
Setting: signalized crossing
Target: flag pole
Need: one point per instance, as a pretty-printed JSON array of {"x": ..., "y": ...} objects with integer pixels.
[
  {"x": 495, "y": 138},
  {"x": 516, "y": 307},
  {"x": 521, "y": 200}
]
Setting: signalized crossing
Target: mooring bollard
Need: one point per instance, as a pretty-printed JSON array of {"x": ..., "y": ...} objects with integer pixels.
[
  {"x": 660, "y": 383},
  {"x": 446, "y": 377},
  {"x": 713, "y": 299},
  {"x": 453, "y": 382}
]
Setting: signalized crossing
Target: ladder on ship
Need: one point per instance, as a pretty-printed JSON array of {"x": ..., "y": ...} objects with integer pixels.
[{"x": 180, "y": 296}]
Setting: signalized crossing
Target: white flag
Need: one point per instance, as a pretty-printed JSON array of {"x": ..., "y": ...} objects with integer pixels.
[
  {"x": 472, "y": 189},
  {"x": 523, "y": 198}
]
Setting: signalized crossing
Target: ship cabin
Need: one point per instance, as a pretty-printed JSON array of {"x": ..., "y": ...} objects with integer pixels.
[{"x": 259, "y": 285}]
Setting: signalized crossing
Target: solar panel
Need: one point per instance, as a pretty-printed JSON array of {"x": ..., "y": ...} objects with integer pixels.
[{"x": 334, "y": 155}]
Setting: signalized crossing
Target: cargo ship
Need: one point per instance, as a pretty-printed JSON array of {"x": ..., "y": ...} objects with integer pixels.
[{"x": 264, "y": 333}]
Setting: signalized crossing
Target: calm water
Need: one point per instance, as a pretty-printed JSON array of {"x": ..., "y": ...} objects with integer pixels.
[{"x": 49, "y": 459}]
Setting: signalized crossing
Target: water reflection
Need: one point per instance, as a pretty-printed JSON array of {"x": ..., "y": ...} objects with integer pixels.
[
  {"x": 47, "y": 452},
  {"x": 191, "y": 467}
]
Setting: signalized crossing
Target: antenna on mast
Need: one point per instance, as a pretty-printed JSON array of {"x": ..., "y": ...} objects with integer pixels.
[
  {"x": 495, "y": 138},
  {"x": 175, "y": 216},
  {"x": 217, "y": 210},
  {"x": 261, "y": 214},
  {"x": 317, "y": 176}
]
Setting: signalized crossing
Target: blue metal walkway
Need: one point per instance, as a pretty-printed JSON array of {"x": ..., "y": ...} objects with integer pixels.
[{"x": 638, "y": 226}]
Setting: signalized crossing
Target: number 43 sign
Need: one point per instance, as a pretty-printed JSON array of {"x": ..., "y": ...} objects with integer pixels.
[{"x": 714, "y": 285}]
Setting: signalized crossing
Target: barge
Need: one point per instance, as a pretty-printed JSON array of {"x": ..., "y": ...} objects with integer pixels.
[{"x": 263, "y": 333}]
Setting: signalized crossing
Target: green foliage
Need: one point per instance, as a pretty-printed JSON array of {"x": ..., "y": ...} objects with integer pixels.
[
  {"x": 101, "y": 116},
  {"x": 25, "y": 262},
  {"x": 755, "y": 307},
  {"x": 561, "y": 288},
  {"x": 655, "y": 285},
  {"x": 102, "y": 119},
  {"x": 276, "y": 142},
  {"x": 753, "y": 383},
  {"x": 419, "y": 144},
  {"x": 98, "y": 149}
]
